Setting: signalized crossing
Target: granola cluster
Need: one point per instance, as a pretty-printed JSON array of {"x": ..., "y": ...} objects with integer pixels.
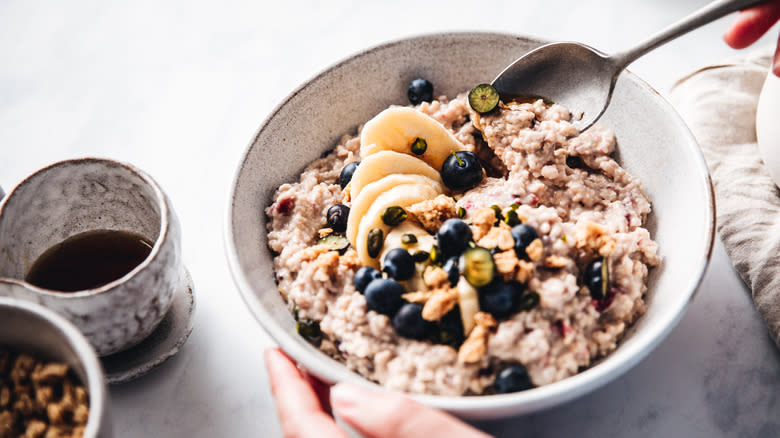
[{"x": 40, "y": 399}]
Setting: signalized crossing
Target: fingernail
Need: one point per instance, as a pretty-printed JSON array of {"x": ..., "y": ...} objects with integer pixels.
[{"x": 346, "y": 395}]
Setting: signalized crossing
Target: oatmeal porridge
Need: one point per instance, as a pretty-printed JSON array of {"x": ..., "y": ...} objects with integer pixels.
[{"x": 454, "y": 252}]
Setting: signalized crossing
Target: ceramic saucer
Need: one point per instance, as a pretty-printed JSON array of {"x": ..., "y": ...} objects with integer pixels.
[{"x": 164, "y": 342}]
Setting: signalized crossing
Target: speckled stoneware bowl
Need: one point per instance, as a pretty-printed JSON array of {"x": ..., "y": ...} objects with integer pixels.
[
  {"x": 29, "y": 328},
  {"x": 654, "y": 144},
  {"x": 74, "y": 196}
]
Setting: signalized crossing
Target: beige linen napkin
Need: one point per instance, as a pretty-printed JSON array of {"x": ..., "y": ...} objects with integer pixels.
[{"x": 719, "y": 104}]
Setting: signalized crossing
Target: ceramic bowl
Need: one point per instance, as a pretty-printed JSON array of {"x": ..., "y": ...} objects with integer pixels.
[
  {"x": 33, "y": 329},
  {"x": 653, "y": 144}
]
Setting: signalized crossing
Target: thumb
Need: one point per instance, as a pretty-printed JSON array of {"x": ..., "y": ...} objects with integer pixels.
[{"x": 381, "y": 414}]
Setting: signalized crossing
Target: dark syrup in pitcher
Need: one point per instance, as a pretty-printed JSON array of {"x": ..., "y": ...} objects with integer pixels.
[{"x": 88, "y": 260}]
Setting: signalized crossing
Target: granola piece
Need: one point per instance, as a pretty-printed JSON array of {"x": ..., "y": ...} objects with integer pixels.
[
  {"x": 55, "y": 413},
  {"x": 506, "y": 262},
  {"x": 5, "y": 396},
  {"x": 441, "y": 302},
  {"x": 431, "y": 213},
  {"x": 498, "y": 237},
  {"x": 68, "y": 401},
  {"x": 49, "y": 373},
  {"x": 608, "y": 245},
  {"x": 475, "y": 346},
  {"x": 485, "y": 319},
  {"x": 556, "y": 261},
  {"x": 24, "y": 405},
  {"x": 592, "y": 236},
  {"x": 419, "y": 296},
  {"x": 322, "y": 232},
  {"x": 482, "y": 222},
  {"x": 43, "y": 396},
  {"x": 512, "y": 268},
  {"x": 35, "y": 429},
  {"x": 22, "y": 368},
  {"x": 55, "y": 432},
  {"x": 525, "y": 270},
  {"x": 80, "y": 414},
  {"x": 535, "y": 249},
  {"x": 81, "y": 395},
  {"x": 7, "y": 424},
  {"x": 435, "y": 277}
]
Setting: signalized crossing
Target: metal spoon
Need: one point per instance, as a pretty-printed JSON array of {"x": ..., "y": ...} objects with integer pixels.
[{"x": 582, "y": 78}]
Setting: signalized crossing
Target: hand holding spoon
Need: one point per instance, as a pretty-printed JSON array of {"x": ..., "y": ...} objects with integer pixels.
[{"x": 582, "y": 78}]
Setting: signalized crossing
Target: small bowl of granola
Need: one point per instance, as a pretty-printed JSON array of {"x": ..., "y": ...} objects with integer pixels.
[
  {"x": 475, "y": 251},
  {"x": 51, "y": 382}
]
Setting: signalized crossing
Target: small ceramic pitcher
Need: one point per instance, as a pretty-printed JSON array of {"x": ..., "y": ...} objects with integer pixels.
[{"x": 76, "y": 196}]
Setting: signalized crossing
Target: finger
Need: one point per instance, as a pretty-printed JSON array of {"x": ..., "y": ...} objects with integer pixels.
[
  {"x": 751, "y": 24},
  {"x": 776, "y": 62},
  {"x": 322, "y": 390},
  {"x": 299, "y": 409},
  {"x": 384, "y": 415}
]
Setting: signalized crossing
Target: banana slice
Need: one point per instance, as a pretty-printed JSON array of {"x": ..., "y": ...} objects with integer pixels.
[
  {"x": 468, "y": 300},
  {"x": 393, "y": 240},
  {"x": 384, "y": 163},
  {"x": 361, "y": 203},
  {"x": 403, "y": 196},
  {"x": 396, "y": 128}
]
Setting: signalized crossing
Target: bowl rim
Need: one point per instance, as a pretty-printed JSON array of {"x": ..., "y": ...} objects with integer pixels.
[
  {"x": 97, "y": 421},
  {"x": 485, "y": 406}
]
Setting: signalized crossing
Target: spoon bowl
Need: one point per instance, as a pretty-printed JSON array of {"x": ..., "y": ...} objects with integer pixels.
[{"x": 571, "y": 74}]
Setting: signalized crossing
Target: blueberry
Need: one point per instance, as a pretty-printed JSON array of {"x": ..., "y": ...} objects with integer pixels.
[
  {"x": 399, "y": 264},
  {"x": 461, "y": 171},
  {"x": 409, "y": 323},
  {"x": 364, "y": 276},
  {"x": 523, "y": 235},
  {"x": 454, "y": 236},
  {"x": 384, "y": 296},
  {"x": 346, "y": 173},
  {"x": 451, "y": 328},
  {"x": 419, "y": 91},
  {"x": 513, "y": 378},
  {"x": 501, "y": 298},
  {"x": 337, "y": 217},
  {"x": 596, "y": 278},
  {"x": 453, "y": 270}
]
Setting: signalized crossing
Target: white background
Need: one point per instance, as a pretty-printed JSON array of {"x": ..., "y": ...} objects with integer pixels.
[{"x": 179, "y": 87}]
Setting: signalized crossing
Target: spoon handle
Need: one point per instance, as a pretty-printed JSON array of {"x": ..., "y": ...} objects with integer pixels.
[{"x": 705, "y": 15}]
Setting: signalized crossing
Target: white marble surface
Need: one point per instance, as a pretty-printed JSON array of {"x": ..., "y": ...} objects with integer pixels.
[{"x": 178, "y": 88}]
